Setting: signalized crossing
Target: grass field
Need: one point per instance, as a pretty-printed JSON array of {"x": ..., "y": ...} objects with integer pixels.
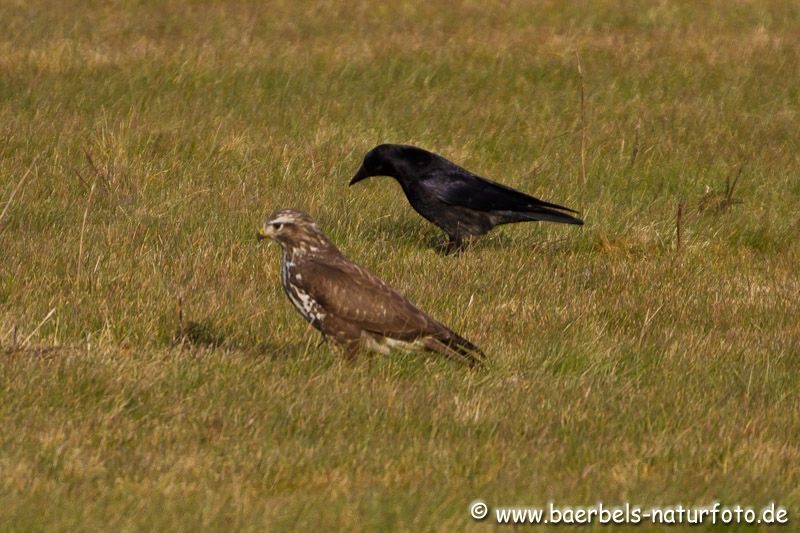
[{"x": 154, "y": 375}]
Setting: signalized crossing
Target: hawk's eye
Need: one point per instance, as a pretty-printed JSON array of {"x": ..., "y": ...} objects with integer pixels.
[{"x": 277, "y": 227}]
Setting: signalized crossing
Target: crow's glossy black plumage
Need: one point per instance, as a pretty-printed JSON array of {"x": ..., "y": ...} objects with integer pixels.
[{"x": 453, "y": 198}]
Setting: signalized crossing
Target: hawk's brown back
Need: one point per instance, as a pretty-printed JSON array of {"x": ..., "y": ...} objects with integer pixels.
[{"x": 353, "y": 293}]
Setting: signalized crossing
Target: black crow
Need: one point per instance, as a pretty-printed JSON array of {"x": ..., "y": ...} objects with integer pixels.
[{"x": 453, "y": 198}]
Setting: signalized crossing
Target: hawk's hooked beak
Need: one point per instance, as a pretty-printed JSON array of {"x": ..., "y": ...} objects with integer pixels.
[
  {"x": 264, "y": 233},
  {"x": 360, "y": 175}
]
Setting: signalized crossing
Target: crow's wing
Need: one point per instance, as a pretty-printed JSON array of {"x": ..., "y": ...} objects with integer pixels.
[
  {"x": 462, "y": 188},
  {"x": 353, "y": 293}
]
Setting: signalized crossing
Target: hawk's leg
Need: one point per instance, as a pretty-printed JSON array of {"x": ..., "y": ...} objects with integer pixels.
[
  {"x": 348, "y": 350},
  {"x": 343, "y": 337},
  {"x": 323, "y": 340}
]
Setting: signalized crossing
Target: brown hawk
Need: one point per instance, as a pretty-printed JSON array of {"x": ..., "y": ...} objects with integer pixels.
[{"x": 349, "y": 304}]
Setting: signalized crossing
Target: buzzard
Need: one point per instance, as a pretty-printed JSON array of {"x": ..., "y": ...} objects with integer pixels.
[
  {"x": 458, "y": 201},
  {"x": 349, "y": 304}
]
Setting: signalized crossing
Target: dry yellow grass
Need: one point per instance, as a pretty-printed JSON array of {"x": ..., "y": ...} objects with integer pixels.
[{"x": 156, "y": 138}]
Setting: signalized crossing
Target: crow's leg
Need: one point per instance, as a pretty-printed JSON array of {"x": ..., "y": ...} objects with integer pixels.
[
  {"x": 450, "y": 245},
  {"x": 440, "y": 245},
  {"x": 454, "y": 245}
]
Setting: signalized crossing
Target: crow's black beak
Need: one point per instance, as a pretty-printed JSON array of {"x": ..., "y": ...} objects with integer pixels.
[{"x": 360, "y": 175}]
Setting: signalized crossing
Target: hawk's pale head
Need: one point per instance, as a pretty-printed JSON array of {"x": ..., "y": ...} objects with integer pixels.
[{"x": 294, "y": 231}]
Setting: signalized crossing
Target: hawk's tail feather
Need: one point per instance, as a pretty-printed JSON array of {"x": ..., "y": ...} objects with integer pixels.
[{"x": 458, "y": 348}]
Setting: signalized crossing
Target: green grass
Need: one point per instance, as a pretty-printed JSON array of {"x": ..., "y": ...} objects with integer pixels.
[{"x": 622, "y": 369}]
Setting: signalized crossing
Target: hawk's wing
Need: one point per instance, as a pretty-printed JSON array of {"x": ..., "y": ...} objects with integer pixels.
[{"x": 355, "y": 294}]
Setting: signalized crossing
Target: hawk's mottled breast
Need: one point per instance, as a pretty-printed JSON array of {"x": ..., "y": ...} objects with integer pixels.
[{"x": 291, "y": 280}]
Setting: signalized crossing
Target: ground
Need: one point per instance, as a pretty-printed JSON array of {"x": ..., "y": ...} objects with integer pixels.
[{"x": 154, "y": 375}]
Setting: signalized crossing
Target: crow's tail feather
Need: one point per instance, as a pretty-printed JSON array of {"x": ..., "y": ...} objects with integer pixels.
[
  {"x": 537, "y": 213},
  {"x": 543, "y": 204}
]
